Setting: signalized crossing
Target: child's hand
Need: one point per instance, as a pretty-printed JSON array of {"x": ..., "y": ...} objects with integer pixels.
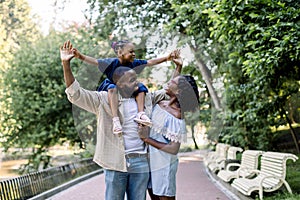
[
  {"x": 66, "y": 53},
  {"x": 76, "y": 53},
  {"x": 171, "y": 55},
  {"x": 174, "y": 54}
]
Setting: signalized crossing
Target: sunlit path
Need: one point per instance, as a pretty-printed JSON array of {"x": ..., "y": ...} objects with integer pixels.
[{"x": 192, "y": 183}]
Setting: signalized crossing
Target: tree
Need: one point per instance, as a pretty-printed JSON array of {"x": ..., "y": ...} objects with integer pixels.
[
  {"x": 263, "y": 66},
  {"x": 254, "y": 50},
  {"x": 185, "y": 23},
  {"x": 38, "y": 114},
  {"x": 148, "y": 29},
  {"x": 15, "y": 26}
]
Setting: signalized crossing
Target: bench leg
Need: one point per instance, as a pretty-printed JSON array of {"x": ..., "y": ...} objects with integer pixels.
[
  {"x": 287, "y": 186},
  {"x": 261, "y": 194}
]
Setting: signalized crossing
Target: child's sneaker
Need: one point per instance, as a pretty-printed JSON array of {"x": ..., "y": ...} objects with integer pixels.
[
  {"x": 117, "y": 128},
  {"x": 143, "y": 119}
]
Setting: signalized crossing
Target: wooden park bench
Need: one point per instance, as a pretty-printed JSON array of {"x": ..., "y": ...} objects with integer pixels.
[
  {"x": 225, "y": 155},
  {"x": 249, "y": 162},
  {"x": 213, "y": 155},
  {"x": 270, "y": 177}
]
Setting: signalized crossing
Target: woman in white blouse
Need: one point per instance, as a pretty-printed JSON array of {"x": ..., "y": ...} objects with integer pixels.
[{"x": 168, "y": 131}]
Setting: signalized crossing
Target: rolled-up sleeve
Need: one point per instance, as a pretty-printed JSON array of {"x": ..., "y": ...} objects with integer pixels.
[
  {"x": 72, "y": 89},
  {"x": 85, "y": 99}
]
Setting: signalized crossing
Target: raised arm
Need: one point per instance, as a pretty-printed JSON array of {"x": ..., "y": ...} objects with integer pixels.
[
  {"x": 66, "y": 55},
  {"x": 156, "y": 61},
  {"x": 178, "y": 62},
  {"x": 85, "y": 58},
  {"x": 85, "y": 99}
]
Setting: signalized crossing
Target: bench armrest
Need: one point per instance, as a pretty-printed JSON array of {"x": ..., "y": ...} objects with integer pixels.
[
  {"x": 232, "y": 165},
  {"x": 219, "y": 160},
  {"x": 250, "y": 171}
]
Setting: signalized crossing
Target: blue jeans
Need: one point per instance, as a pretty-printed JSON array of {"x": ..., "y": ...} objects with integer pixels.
[{"x": 134, "y": 182}]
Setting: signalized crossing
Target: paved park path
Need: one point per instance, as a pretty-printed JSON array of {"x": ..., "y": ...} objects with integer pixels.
[{"x": 193, "y": 183}]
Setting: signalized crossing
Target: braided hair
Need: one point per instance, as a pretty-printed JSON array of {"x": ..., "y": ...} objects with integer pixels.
[
  {"x": 119, "y": 45},
  {"x": 188, "y": 96}
]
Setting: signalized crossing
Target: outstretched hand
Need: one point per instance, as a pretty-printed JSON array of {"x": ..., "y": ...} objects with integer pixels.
[
  {"x": 66, "y": 51},
  {"x": 176, "y": 57},
  {"x": 172, "y": 55}
]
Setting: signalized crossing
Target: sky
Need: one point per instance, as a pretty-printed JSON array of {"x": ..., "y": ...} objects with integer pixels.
[{"x": 72, "y": 12}]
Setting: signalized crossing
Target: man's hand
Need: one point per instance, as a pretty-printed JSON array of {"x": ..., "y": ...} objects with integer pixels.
[
  {"x": 143, "y": 131},
  {"x": 178, "y": 61},
  {"x": 66, "y": 51}
]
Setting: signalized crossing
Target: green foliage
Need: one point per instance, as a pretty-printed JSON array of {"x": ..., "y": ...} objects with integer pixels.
[
  {"x": 251, "y": 47},
  {"x": 15, "y": 25},
  {"x": 262, "y": 66},
  {"x": 293, "y": 175},
  {"x": 38, "y": 114},
  {"x": 250, "y": 50},
  {"x": 151, "y": 25}
]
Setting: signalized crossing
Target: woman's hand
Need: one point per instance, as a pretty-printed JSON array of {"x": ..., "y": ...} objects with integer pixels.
[
  {"x": 143, "y": 131},
  {"x": 176, "y": 57}
]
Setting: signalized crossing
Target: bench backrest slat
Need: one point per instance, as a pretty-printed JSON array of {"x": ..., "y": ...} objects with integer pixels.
[
  {"x": 223, "y": 148},
  {"x": 250, "y": 158},
  {"x": 232, "y": 151},
  {"x": 274, "y": 163}
]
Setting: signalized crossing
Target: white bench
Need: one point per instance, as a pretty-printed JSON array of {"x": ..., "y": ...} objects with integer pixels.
[
  {"x": 248, "y": 163},
  {"x": 269, "y": 178},
  {"x": 225, "y": 155},
  {"x": 213, "y": 155}
]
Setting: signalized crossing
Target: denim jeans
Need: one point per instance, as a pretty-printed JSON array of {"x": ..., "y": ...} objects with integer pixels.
[{"x": 134, "y": 182}]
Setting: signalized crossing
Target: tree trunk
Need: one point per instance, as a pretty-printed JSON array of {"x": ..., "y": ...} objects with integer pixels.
[
  {"x": 193, "y": 137},
  {"x": 293, "y": 133},
  {"x": 206, "y": 74}
]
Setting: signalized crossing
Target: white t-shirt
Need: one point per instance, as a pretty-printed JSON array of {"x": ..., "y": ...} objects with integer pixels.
[{"x": 132, "y": 141}]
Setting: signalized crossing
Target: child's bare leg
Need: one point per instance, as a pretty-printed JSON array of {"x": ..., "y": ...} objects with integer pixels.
[
  {"x": 140, "y": 100},
  {"x": 141, "y": 116},
  {"x": 113, "y": 102}
]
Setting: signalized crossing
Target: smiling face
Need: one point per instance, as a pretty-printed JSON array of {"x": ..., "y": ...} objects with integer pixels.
[
  {"x": 127, "y": 53},
  {"x": 172, "y": 86},
  {"x": 128, "y": 84}
]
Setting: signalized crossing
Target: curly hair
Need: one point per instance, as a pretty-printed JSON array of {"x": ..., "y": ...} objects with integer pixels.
[
  {"x": 188, "y": 95},
  {"x": 119, "y": 45}
]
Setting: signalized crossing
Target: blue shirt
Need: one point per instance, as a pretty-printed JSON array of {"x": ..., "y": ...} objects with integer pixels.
[{"x": 108, "y": 67}]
